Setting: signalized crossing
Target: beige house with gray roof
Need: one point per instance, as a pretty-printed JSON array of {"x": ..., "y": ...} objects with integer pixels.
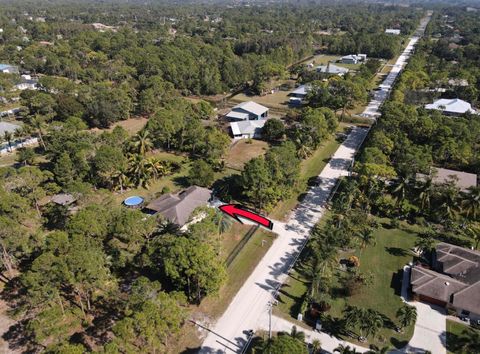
[
  {"x": 454, "y": 281},
  {"x": 178, "y": 207}
]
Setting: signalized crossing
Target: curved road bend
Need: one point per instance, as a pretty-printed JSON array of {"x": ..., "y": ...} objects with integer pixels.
[{"x": 249, "y": 308}]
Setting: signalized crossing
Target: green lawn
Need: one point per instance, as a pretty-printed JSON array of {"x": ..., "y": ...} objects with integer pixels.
[
  {"x": 455, "y": 331},
  {"x": 384, "y": 261}
]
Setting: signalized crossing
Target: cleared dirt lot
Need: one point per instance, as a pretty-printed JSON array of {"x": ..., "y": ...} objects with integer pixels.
[{"x": 242, "y": 151}]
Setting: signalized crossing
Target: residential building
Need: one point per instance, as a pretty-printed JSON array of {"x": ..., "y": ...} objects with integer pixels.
[
  {"x": 332, "y": 69},
  {"x": 451, "y": 107},
  {"x": 8, "y": 127},
  {"x": 178, "y": 207},
  {"x": 27, "y": 83},
  {"x": 353, "y": 58},
  {"x": 247, "y": 129},
  {"x": 8, "y": 69},
  {"x": 453, "y": 282},
  {"x": 392, "y": 31},
  {"x": 461, "y": 180},
  {"x": 248, "y": 111}
]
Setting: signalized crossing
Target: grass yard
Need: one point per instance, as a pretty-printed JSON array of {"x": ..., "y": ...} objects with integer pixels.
[
  {"x": 323, "y": 59},
  {"x": 384, "y": 261},
  {"x": 173, "y": 182},
  {"x": 212, "y": 307},
  {"x": 131, "y": 125},
  {"x": 8, "y": 159},
  {"x": 243, "y": 151},
  {"x": 277, "y": 101},
  {"x": 455, "y": 332}
]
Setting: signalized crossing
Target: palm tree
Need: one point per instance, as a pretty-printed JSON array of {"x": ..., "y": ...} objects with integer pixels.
[
  {"x": 373, "y": 321},
  {"x": 345, "y": 349},
  {"x": 120, "y": 180},
  {"x": 157, "y": 167},
  {"x": 139, "y": 171},
  {"x": 37, "y": 123},
  {"x": 425, "y": 193},
  {"x": 366, "y": 237},
  {"x": 223, "y": 221},
  {"x": 471, "y": 203},
  {"x": 294, "y": 333},
  {"x": 141, "y": 142},
  {"x": 406, "y": 315},
  {"x": 470, "y": 341},
  {"x": 8, "y": 137},
  {"x": 351, "y": 315},
  {"x": 450, "y": 205},
  {"x": 316, "y": 346},
  {"x": 425, "y": 243},
  {"x": 400, "y": 189},
  {"x": 473, "y": 231},
  {"x": 304, "y": 151}
]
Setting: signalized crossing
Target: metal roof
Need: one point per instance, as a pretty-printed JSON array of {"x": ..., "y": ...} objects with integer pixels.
[
  {"x": 251, "y": 107},
  {"x": 454, "y": 105},
  {"x": 248, "y": 127},
  {"x": 237, "y": 115},
  {"x": 332, "y": 69},
  {"x": 301, "y": 90}
]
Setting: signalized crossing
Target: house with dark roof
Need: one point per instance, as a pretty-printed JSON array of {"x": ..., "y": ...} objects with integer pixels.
[
  {"x": 453, "y": 282},
  {"x": 439, "y": 176},
  {"x": 298, "y": 95},
  {"x": 178, "y": 207},
  {"x": 332, "y": 69}
]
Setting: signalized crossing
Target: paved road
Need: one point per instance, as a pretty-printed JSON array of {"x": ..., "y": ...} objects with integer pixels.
[
  {"x": 383, "y": 91},
  {"x": 249, "y": 308}
]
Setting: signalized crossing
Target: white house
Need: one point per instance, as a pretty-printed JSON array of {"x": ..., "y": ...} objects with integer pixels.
[
  {"x": 349, "y": 59},
  {"x": 247, "y": 129},
  {"x": 247, "y": 111},
  {"x": 8, "y": 69},
  {"x": 451, "y": 107},
  {"x": 332, "y": 69},
  {"x": 392, "y": 31},
  {"x": 27, "y": 83}
]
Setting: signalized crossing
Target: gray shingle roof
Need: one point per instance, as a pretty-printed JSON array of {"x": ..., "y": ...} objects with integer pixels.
[
  {"x": 462, "y": 180},
  {"x": 179, "y": 206}
]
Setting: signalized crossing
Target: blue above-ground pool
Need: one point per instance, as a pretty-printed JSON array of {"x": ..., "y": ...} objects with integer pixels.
[{"x": 133, "y": 202}]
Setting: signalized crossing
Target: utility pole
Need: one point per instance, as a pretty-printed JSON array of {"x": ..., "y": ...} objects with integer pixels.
[{"x": 270, "y": 307}]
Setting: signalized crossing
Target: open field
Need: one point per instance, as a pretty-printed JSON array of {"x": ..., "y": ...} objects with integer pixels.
[
  {"x": 131, "y": 125},
  {"x": 212, "y": 307},
  {"x": 384, "y": 261},
  {"x": 323, "y": 59},
  {"x": 276, "y": 101},
  {"x": 243, "y": 151}
]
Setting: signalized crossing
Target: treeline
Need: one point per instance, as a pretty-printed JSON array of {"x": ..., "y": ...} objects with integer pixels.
[{"x": 109, "y": 280}]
